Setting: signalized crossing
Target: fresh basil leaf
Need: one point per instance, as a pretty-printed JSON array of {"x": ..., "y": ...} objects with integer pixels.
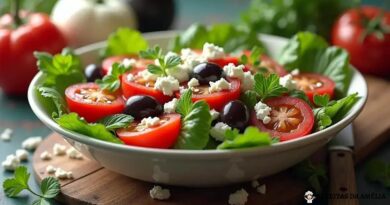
[
  {"x": 321, "y": 100},
  {"x": 250, "y": 98},
  {"x": 50, "y": 187},
  {"x": 111, "y": 82},
  {"x": 268, "y": 86},
  {"x": 13, "y": 186},
  {"x": 125, "y": 41},
  {"x": 55, "y": 97},
  {"x": 116, "y": 121},
  {"x": 310, "y": 53},
  {"x": 74, "y": 123},
  {"x": 252, "y": 137}
]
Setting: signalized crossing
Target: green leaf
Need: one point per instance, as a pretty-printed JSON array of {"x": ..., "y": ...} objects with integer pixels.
[
  {"x": 73, "y": 122},
  {"x": 41, "y": 201},
  {"x": 250, "y": 98},
  {"x": 321, "y": 100},
  {"x": 112, "y": 81},
  {"x": 310, "y": 53},
  {"x": 152, "y": 68},
  {"x": 116, "y": 121},
  {"x": 50, "y": 187},
  {"x": 13, "y": 186},
  {"x": 252, "y": 137},
  {"x": 184, "y": 104},
  {"x": 55, "y": 97},
  {"x": 314, "y": 174},
  {"x": 299, "y": 94},
  {"x": 378, "y": 171},
  {"x": 172, "y": 61},
  {"x": 125, "y": 41},
  {"x": 151, "y": 53},
  {"x": 268, "y": 86}
]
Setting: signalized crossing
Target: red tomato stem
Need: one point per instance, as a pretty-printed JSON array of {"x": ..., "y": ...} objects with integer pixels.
[{"x": 15, "y": 13}]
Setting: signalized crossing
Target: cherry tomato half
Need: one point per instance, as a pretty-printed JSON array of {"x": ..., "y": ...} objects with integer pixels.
[
  {"x": 218, "y": 99},
  {"x": 92, "y": 103},
  {"x": 312, "y": 83},
  {"x": 290, "y": 118},
  {"x": 107, "y": 63},
  {"x": 163, "y": 135}
]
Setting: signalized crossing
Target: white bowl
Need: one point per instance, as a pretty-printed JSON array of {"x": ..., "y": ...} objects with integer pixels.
[{"x": 198, "y": 168}]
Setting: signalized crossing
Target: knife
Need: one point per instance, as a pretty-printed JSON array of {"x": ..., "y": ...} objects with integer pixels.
[{"x": 342, "y": 172}]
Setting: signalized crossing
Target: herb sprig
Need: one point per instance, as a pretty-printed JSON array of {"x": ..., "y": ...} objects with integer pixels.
[
  {"x": 111, "y": 82},
  {"x": 165, "y": 62}
]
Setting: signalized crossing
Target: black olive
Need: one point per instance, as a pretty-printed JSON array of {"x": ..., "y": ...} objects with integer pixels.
[
  {"x": 235, "y": 114},
  {"x": 207, "y": 72},
  {"x": 93, "y": 72},
  {"x": 141, "y": 106}
]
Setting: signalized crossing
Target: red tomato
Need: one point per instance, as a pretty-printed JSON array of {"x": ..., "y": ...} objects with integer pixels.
[
  {"x": 141, "y": 87},
  {"x": 92, "y": 103},
  {"x": 267, "y": 62},
  {"x": 107, "y": 63},
  {"x": 225, "y": 61},
  {"x": 312, "y": 83},
  {"x": 370, "y": 55},
  {"x": 290, "y": 118},
  {"x": 218, "y": 99},
  {"x": 161, "y": 136}
]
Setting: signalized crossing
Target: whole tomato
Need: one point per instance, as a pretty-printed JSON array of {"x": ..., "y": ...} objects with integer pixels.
[
  {"x": 17, "y": 44},
  {"x": 365, "y": 33}
]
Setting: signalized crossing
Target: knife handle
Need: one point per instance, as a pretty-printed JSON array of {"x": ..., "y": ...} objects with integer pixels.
[{"x": 342, "y": 177}]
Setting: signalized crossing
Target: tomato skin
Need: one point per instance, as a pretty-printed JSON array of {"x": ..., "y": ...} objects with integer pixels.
[
  {"x": 327, "y": 88},
  {"x": 92, "y": 112},
  {"x": 272, "y": 64},
  {"x": 163, "y": 136},
  {"x": 107, "y": 63},
  {"x": 225, "y": 61},
  {"x": 17, "y": 62},
  {"x": 304, "y": 127},
  {"x": 370, "y": 56}
]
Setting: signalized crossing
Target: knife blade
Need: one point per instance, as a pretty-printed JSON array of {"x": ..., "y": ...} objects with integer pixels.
[{"x": 342, "y": 171}]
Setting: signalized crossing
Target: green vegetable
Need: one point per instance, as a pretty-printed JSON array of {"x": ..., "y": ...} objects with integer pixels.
[
  {"x": 314, "y": 174},
  {"x": 74, "y": 123},
  {"x": 378, "y": 171},
  {"x": 310, "y": 53},
  {"x": 321, "y": 100},
  {"x": 332, "y": 111},
  {"x": 250, "y": 98},
  {"x": 252, "y": 137},
  {"x": 229, "y": 37},
  {"x": 299, "y": 94},
  {"x": 112, "y": 81},
  {"x": 196, "y": 122},
  {"x": 286, "y": 18},
  {"x": 41, "y": 6},
  {"x": 124, "y": 41},
  {"x": 56, "y": 98},
  {"x": 116, "y": 121},
  {"x": 165, "y": 61},
  {"x": 50, "y": 187}
]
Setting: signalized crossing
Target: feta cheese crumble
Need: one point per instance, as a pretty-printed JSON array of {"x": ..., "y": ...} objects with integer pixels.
[
  {"x": 247, "y": 81},
  {"x": 31, "y": 143},
  {"x": 234, "y": 71},
  {"x": 219, "y": 85},
  {"x": 45, "y": 155},
  {"x": 62, "y": 174},
  {"x": 262, "y": 112},
  {"x": 50, "y": 169},
  {"x": 219, "y": 130},
  {"x": 214, "y": 114},
  {"x": 168, "y": 85},
  {"x": 288, "y": 82},
  {"x": 261, "y": 189},
  {"x": 255, "y": 183},
  {"x": 170, "y": 107},
  {"x": 130, "y": 77},
  {"x": 211, "y": 51},
  {"x": 150, "y": 122},
  {"x": 22, "y": 154},
  {"x": 190, "y": 59},
  {"x": 73, "y": 153},
  {"x": 239, "y": 197},
  {"x": 128, "y": 62},
  {"x": 157, "y": 192},
  {"x": 295, "y": 72},
  {"x": 59, "y": 149},
  {"x": 6, "y": 134},
  {"x": 148, "y": 76},
  {"x": 10, "y": 163},
  {"x": 179, "y": 73},
  {"x": 193, "y": 83}
]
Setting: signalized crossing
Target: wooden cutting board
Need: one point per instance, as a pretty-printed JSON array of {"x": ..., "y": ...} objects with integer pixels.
[{"x": 93, "y": 184}]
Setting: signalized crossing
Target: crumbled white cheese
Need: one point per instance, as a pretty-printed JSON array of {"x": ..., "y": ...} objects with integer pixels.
[
  {"x": 31, "y": 143},
  {"x": 219, "y": 130},
  {"x": 190, "y": 59},
  {"x": 219, "y": 85},
  {"x": 50, "y": 169},
  {"x": 234, "y": 71},
  {"x": 262, "y": 112},
  {"x": 288, "y": 82},
  {"x": 295, "y": 72},
  {"x": 214, "y": 114},
  {"x": 255, "y": 183},
  {"x": 22, "y": 154},
  {"x": 168, "y": 85},
  {"x": 261, "y": 189},
  {"x": 170, "y": 107},
  {"x": 128, "y": 62},
  {"x": 59, "y": 149},
  {"x": 6, "y": 134},
  {"x": 73, "y": 153},
  {"x": 193, "y": 83},
  {"x": 239, "y": 197},
  {"x": 45, "y": 155},
  {"x": 62, "y": 174},
  {"x": 150, "y": 122},
  {"x": 130, "y": 77},
  {"x": 179, "y": 73},
  {"x": 148, "y": 76},
  {"x": 247, "y": 81},
  {"x": 157, "y": 192},
  {"x": 10, "y": 163},
  {"x": 211, "y": 51}
]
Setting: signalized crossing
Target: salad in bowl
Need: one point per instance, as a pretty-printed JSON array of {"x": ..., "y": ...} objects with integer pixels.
[{"x": 223, "y": 108}]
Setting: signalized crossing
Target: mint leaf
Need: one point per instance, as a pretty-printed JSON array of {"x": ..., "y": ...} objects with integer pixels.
[
  {"x": 268, "y": 86},
  {"x": 50, "y": 187},
  {"x": 112, "y": 81},
  {"x": 378, "y": 171},
  {"x": 56, "y": 98},
  {"x": 321, "y": 100},
  {"x": 73, "y": 122},
  {"x": 249, "y": 98},
  {"x": 13, "y": 186},
  {"x": 252, "y": 137},
  {"x": 116, "y": 121},
  {"x": 125, "y": 41}
]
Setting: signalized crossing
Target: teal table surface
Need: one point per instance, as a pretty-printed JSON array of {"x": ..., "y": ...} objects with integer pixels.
[{"x": 17, "y": 115}]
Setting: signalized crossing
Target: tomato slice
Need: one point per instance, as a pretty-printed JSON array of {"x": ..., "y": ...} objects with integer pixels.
[
  {"x": 312, "y": 83},
  {"x": 107, "y": 63},
  {"x": 163, "y": 135},
  {"x": 218, "y": 99},
  {"x": 225, "y": 61},
  {"x": 290, "y": 118},
  {"x": 139, "y": 86},
  {"x": 267, "y": 62},
  {"x": 91, "y": 102}
]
